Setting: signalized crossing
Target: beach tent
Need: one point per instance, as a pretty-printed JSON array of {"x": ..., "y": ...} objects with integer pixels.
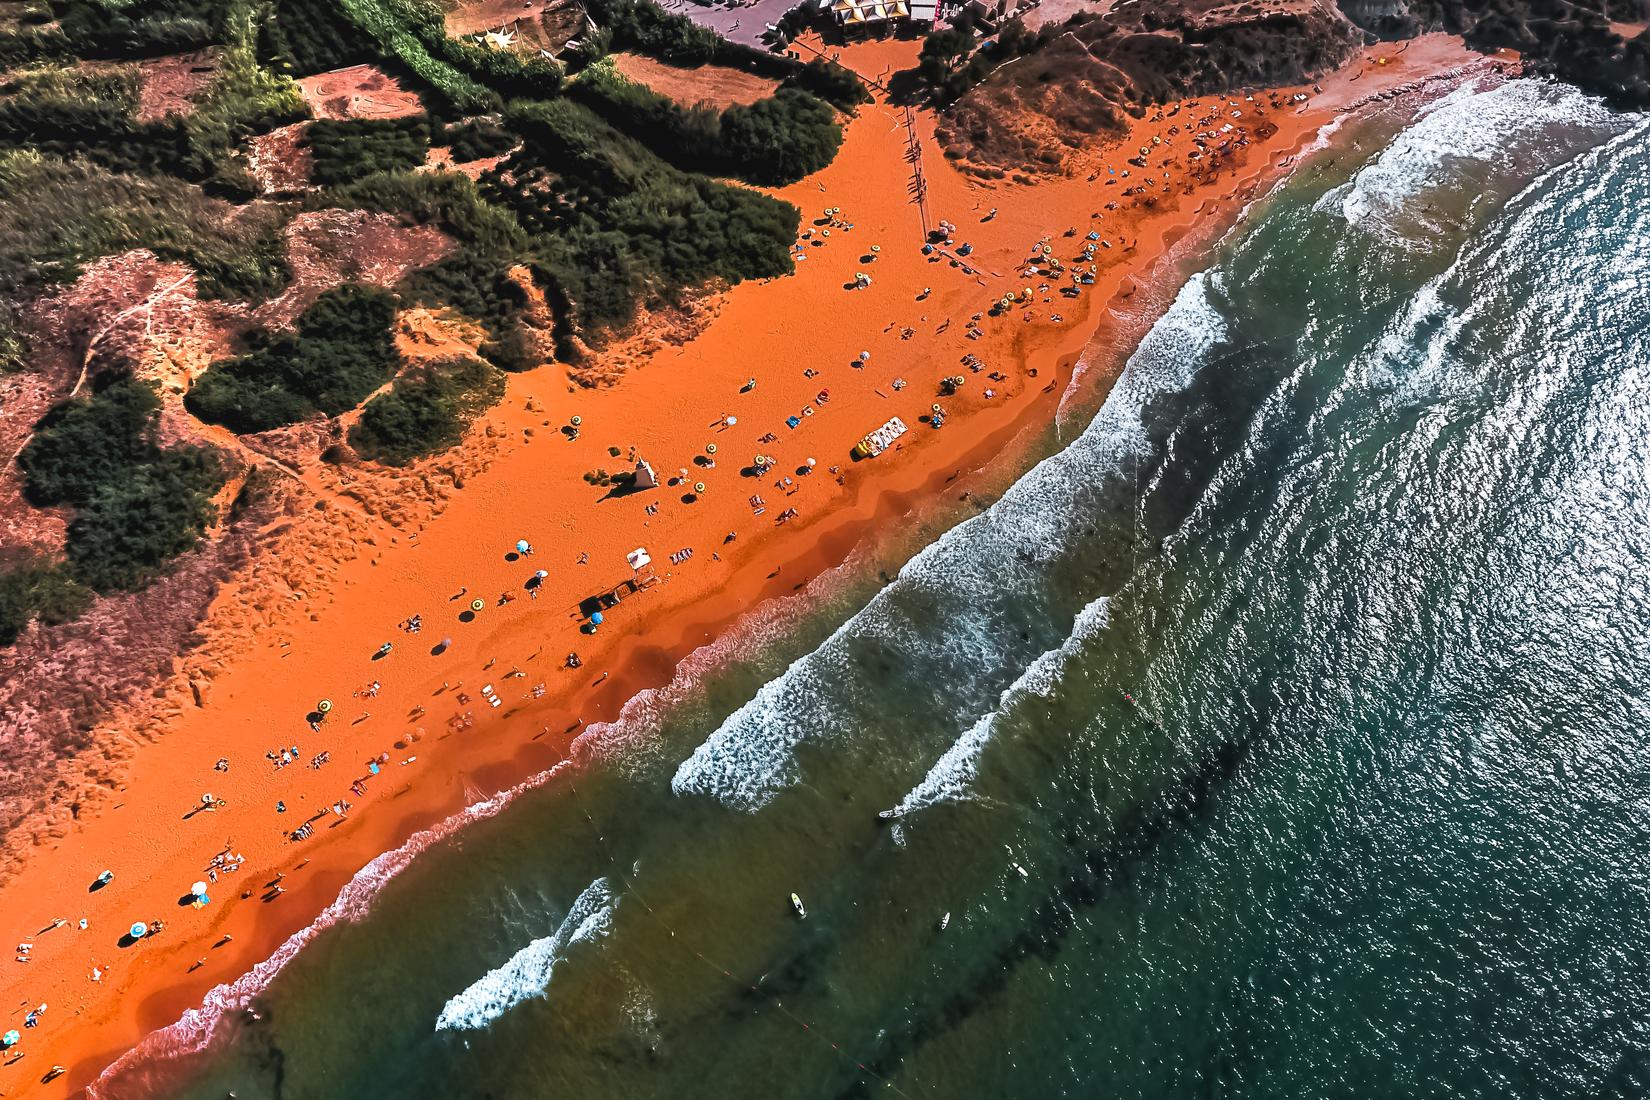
[{"x": 639, "y": 558}]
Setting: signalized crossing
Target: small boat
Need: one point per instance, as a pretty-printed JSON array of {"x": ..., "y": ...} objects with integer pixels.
[
  {"x": 945, "y": 920},
  {"x": 1022, "y": 871},
  {"x": 796, "y": 903},
  {"x": 887, "y": 815}
]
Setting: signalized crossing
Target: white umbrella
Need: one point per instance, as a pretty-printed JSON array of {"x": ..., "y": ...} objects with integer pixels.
[{"x": 198, "y": 889}]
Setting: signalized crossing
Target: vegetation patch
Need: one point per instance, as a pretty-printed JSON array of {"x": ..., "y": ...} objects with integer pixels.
[
  {"x": 344, "y": 151},
  {"x": 476, "y": 139},
  {"x": 427, "y": 411},
  {"x": 56, "y": 215},
  {"x": 137, "y": 505},
  {"x": 777, "y": 140},
  {"x": 615, "y": 225},
  {"x": 340, "y": 350}
]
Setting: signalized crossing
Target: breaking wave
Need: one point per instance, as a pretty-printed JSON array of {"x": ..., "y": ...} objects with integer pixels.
[
  {"x": 952, "y": 776},
  {"x": 528, "y": 972},
  {"x": 1477, "y": 130},
  {"x": 982, "y": 579}
]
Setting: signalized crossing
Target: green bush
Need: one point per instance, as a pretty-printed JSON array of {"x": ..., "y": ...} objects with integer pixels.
[
  {"x": 304, "y": 37},
  {"x": 831, "y": 82},
  {"x": 134, "y": 525},
  {"x": 35, "y": 589},
  {"x": 81, "y": 446},
  {"x": 615, "y": 224},
  {"x": 136, "y": 504},
  {"x": 345, "y": 151},
  {"x": 476, "y": 138},
  {"x": 340, "y": 351},
  {"x": 780, "y": 139},
  {"x": 426, "y": 411},
  {"x": 777, "y": 140}
]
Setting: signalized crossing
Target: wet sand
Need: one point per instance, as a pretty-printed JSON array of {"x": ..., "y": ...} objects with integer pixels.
[{"x": 156, "y": 840}]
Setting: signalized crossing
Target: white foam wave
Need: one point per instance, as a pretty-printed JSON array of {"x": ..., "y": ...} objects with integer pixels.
[
  {"x": 195, "y": 1029},
  {"x": 953, "y": 775},
  {"x": 1474, "y": 125},
  {"x": 968, "y": 578},
  {"x": 527, "y": 973}
]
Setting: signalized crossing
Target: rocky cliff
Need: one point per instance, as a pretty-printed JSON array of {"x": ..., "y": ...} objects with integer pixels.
[{"x": 1084, "y": 78}]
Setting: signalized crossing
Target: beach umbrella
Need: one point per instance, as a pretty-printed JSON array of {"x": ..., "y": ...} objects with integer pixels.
[
  {"x": 541, "y": 574},
  {"x": 596, "y": 617},
  {"x": 324, "y": 705},
  {"x": 138, "y": 930},
  {"x": 10, "y": 1039},
  {"x": 864, "y": 357},
  {"x": 698, "y": 486},
  {"x": 576, "y": 421},
  {"x": 876, "y": 248},
  {"x": 710, "y": 448},
  {"x": 812, "y": 464},
  {"x": 477, "y": 605},
  {"x": 935, "y": 406},
  {"x": 731, "y": 420},
  {"x": 522, "y": 546},
  {"x": 200, "y": 901},
  {"x": 198, "y": 889}
]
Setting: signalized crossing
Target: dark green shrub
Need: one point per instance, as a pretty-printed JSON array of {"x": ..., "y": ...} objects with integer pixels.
[
  {"x": 340, "y": 351},
  {"x": 780, "y": 139},
  {"x": 80, "y": 446},
  {"x": 134, "y": 525},
  {"x": 36, "y": 589},
  {"x": 136, "y": 505},
  {"x": 426, "y": 411},
  {"x": 831, "y": 82},
  {"x": 345, "y": 151},
  {"x": 476, "y": 138}
]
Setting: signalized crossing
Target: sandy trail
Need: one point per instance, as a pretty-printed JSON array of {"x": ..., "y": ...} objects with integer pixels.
[{"x": 798, "y": 337}]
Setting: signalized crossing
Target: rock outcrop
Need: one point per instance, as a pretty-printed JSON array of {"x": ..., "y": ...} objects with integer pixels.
[{"x": 1084, "y": 78}]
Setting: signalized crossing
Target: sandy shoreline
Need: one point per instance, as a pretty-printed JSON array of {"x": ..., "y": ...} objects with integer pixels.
[{"x": 668, "y": 410}]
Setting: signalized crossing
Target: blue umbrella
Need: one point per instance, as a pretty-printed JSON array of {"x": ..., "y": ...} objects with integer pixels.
[
  {"x": 138, "y": 930},
  {"x": 522, "y": 546},
  {"x": 9, "y": 1039},
  {"x": 596, "y": 618}
]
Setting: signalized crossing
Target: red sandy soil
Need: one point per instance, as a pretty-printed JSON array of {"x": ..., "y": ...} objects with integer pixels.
[
  {"x": 304, "y": 624},
  {"x": 441, "y": 160},
  {"x": 279, "y": 160},
  {"x": 717, "y": 85},
  {"x": 172, "y": 83},
  {"x": 359, "y": 91},
  {"x": 537, "y": 24}
]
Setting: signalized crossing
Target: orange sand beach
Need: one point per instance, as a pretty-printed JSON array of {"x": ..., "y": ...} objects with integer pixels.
[{"x": 421, "y": 717}]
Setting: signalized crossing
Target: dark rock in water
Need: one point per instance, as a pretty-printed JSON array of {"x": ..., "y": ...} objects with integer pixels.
[{"x": 1101, "y": 67}]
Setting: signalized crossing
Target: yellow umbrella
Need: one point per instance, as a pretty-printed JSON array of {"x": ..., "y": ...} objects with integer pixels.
[
  {"x": 324, "y": 705},
  {"x": 698, "y": 486},
  {"x": 477, "y": 605}
]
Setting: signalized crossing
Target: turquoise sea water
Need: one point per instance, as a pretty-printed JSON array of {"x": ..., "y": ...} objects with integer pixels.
[{"x": 1283, "y": 735}]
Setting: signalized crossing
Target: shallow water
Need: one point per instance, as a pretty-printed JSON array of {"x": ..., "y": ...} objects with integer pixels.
[{"x": 1280, "y": 736}]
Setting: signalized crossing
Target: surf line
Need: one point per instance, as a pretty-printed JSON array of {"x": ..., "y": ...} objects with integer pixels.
[{"x": 618, "y": 872}]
